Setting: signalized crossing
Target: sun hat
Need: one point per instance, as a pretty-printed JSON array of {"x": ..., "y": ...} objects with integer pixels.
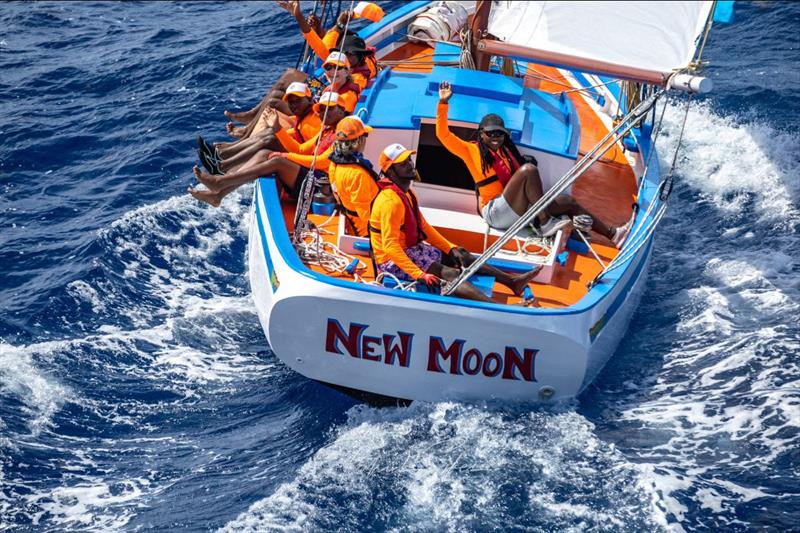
[
  {"x": 492, "y": 122},
  {"x": 329, "y": 99},
  {"x": 337, "y": 58}
]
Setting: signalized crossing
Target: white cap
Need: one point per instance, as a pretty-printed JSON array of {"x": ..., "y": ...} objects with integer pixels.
[{"x": 337, "y": 58}]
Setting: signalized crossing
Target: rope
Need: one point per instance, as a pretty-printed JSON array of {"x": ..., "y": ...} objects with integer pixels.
[
  {"x": 696, "y": 64},
  {"x": 314, "y": 250},
  {"x": 636, "y": 240},
  {"x": 466, "y": 61},
  {"x": 667, "y": 190},
  {"x": 307, "y": 190}
]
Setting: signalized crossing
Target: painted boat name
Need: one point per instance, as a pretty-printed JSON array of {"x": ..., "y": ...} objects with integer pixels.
[{"x": 456, "y": 358}]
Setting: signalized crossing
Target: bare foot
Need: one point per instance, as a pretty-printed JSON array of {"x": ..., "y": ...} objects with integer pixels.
[
  {"x": 209, "y": 180},
  {"x": 208, "y": 197},
  {"x": 520, "y": 281},
  {"x": 234, "y": 131},
  {"x": 236, "y": 117}
]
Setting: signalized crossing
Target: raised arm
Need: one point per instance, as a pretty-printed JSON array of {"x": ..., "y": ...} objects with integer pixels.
[
  {"x": 450, "y": 141},
  {"x": 316, "y": 44},
  {"x": 293, "y": 7}
]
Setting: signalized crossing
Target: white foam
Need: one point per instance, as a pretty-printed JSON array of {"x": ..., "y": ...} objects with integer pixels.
[
  {"x": 83, "y": 291},
  {"x": 451, "y": 467},
  {"x": 89, "y": 504},
  {"x": 42, "y": 395},
  {"x": 731, "y": 162}
]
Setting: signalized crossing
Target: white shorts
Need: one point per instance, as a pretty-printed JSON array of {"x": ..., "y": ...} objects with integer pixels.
[{"x": 498, "y": 214}]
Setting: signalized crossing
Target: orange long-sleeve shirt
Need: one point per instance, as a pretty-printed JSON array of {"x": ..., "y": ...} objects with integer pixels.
[
  {"x": 303, "y": 154},
  {"x": 356, "y": 189},
  {"x": 388, "y": 215},
  {"x": 322, "y": 47},
  {"x": 469, "y": 153},
  {"x": 309, "y": 126}
]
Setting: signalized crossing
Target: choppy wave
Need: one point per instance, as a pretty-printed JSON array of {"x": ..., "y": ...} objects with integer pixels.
[
  {"x": 451, "y": 467},
  {"x": 137, "y": 391}
]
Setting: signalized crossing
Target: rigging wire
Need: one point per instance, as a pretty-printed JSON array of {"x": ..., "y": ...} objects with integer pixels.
[
  {"x": 309, "y": 183},
  {"x": 642, "y": 235}
]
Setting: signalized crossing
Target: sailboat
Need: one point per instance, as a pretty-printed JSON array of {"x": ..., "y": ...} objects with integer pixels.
[{"x": 578, "y": 85}]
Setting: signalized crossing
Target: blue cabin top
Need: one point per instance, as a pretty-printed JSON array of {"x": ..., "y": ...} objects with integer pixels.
[{"x": 536, "y": 119}]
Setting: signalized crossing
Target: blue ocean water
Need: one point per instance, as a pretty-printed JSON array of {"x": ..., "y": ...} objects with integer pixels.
[{"x": 137, "y": 390}]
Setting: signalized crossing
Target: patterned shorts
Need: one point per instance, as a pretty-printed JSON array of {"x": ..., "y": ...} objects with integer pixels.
[{"x": 422, "y": 254}]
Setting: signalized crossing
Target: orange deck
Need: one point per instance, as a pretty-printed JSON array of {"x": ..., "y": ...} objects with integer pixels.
[{"x": 607, "y": 190}]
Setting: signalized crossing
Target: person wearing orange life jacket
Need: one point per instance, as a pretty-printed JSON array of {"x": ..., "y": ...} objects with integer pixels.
[
  {"x": 337, "y": 72},
  {"x": 364, "y": 66},
  {"x": 506, "y": 184},
  {"x": 353, "y": 179},
  {"x": 290, "y": 167},
  {"x": 398, "y": 234},
  {"x": 219, "y": 157}
]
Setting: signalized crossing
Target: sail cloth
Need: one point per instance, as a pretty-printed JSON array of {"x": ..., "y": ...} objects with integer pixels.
[{"x": 655, "y": 37}]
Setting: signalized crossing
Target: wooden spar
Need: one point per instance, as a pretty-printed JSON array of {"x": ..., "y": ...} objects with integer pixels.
[
  {"x": 490, "y": 47},
  {"x": 478, "y": 25}
]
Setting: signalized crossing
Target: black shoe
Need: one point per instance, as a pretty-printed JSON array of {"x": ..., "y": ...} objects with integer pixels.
[
  {"x": 210, "y": 164},
  {"x": 209, "y": 150}
]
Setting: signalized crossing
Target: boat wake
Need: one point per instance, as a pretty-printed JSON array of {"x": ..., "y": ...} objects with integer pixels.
[
  {"x": 702, "y": 399},
  {"x": 111, "y": 420},
  {"x": 457, "y": 467},
  {"x": 102, "y": 411},
  {"x": 715, "y": 427}
]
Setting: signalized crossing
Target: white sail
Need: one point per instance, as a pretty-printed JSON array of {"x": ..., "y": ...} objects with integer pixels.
[{"x": 657, "y": 37}]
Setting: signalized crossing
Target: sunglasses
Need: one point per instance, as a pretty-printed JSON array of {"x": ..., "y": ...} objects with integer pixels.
[
  {"x": 494, "y": 134},
  {"x": 331, "y": 66}
]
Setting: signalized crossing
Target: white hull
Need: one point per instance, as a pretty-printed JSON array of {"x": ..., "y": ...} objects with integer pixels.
[{"x": 422, "y": 347}]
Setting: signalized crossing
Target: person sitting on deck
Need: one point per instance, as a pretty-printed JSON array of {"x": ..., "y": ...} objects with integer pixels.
[
  {"x": 398, "y": 234},
  {"x": 337, "y": 72},
  {"x": 505, "y": 183},
  {"x": 352, "y": 177},
  {"x": 364, "y": 66},
  {"x": 291, "y": 168},
  {"x": 307, "y": 124}
]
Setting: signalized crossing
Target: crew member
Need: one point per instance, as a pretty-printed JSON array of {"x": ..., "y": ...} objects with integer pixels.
[{"x": 406, "y": 246}]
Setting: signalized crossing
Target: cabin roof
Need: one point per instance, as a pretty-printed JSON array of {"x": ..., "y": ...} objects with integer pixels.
[{"x": 536, "y": 119}]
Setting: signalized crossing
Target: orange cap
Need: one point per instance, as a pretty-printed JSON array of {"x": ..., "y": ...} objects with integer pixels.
[
  {"x": 394, "y": 153},
  {"x": 337, "y": 58},
  {"x": 369, "y": 11},
  {"x": 351, "y": 127},
  {"x": 297, "y": 88}
]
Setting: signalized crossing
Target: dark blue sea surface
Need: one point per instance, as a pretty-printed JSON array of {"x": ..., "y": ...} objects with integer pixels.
[{"x": 137, "y": 390}]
